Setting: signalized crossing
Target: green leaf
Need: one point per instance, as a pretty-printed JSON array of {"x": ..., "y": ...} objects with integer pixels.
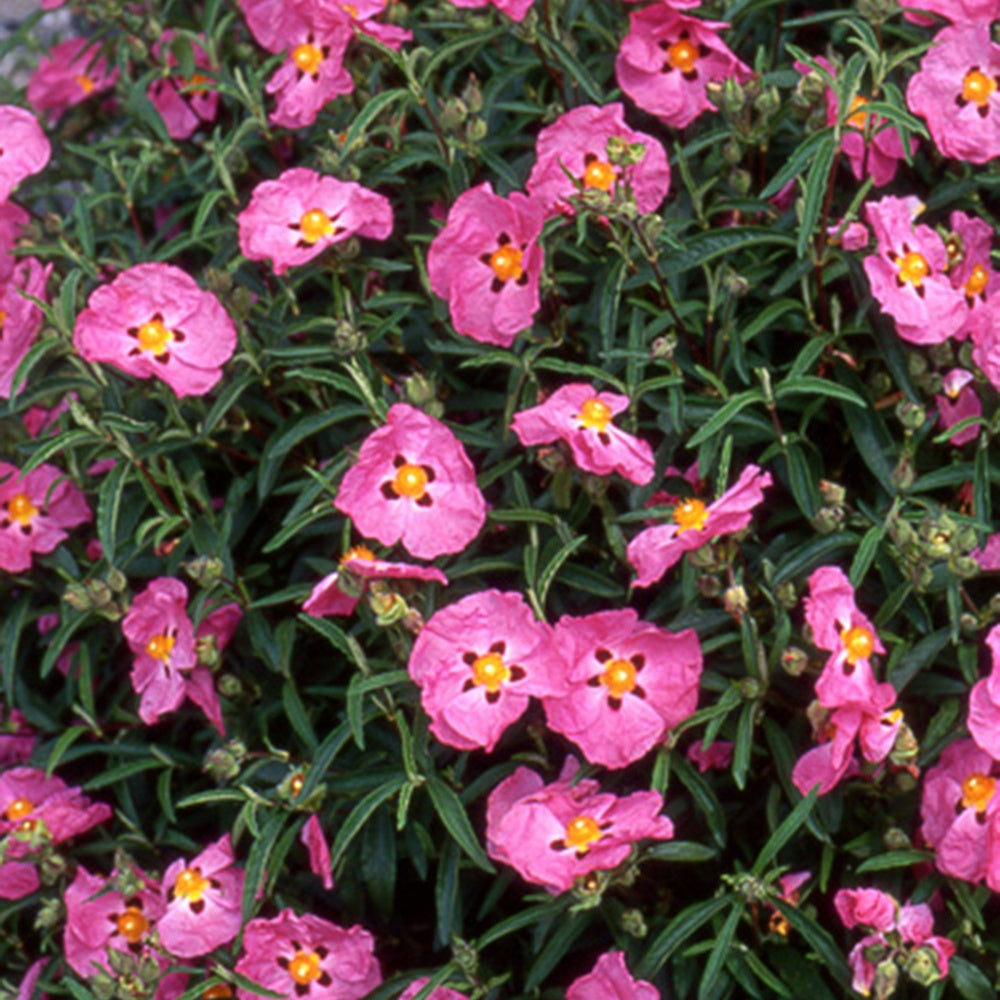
[
  {"x": 719, "y": 951},
  {"x": 893, "y": 859},
  {"x": 555, "y": 949},
  {"x": 820, "y": 941},
  {"x": 817, "y": 183},
  {"x": 449, "y": 808},
  {"x": 970, "y": 981},
  {"x": 359, "y": 816},
  {"x": 109, "y": 501},
  {"x": 811, "y": 385},
  {"x": 296, "y": 713},
  {"x": 724, "y": 415},
  {"x": 786, "y": 830},
  {"x": 677, "y": 932},
  {"x": 680, "y": 850}
]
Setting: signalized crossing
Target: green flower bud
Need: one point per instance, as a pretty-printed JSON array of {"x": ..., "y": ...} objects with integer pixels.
[
  {"x": 633, "y": 923},
  {"x": 204, "y": 570},
  {"x": 794, "y": 661},
  {"x": 922, "y": 966}
]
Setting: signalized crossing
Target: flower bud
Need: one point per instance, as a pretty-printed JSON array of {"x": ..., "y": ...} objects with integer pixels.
[
  {"x": 453, "y": 114},
  {"x": 911, "y": 415},
  {"x": 633, "y": 923},
  {"x": 472, "y": 95},
  {"x": 223, "y": 763},
  {"x": 794, "y": 661},
  {"x": 475, "y": 130},
  {"x": 896, "y": 839},
  {"x": 205, "y": 570},
  {"x": 736, "y": 601},
  {"x": 831, "y": 492},
  {"x": 886, "y": 976},
  {"x": 922, "y": 966}
]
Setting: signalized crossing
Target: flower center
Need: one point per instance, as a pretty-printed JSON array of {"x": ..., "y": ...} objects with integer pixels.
[
  {"x": 21, "y": 509},
  {"x": 581, "y": 832},
  {"x": 977, "y": 87},
  {"x": 619, "y": 677},
  {"x": 350, "y": 10},
  {"x": 307, "y": 58},
  {"x": 683, "y": 55},
  {"x": 195, "y": 84},
  {"x": 154, "y": 337},
  {"x": 595, "y": 415},
  {"x": 86, "y": 84},
  {"x": 18, "y": 809},
  {"x": 977, "y": 790},
  {"x": 296, "y": 784},
  {"x": 316, "y": 224},
  {"x": 362, "y": 551},
  {"x": 690, "y": 514},
  {"x": 410, "y": 481},
  {"x": 191, "y": 885},
  {"x": 304, "y": 967},
  {"x": 490, "y": 671},
  {"x": 977, "y": 281},
  {"x": 599, "y": 174},
  {"x": 132, "y": 925},
  {"x": 506, "y": 262},
  {"x": 913, "y": 267},
  {"x": 859, "y": 643},
  {"x": 857, "y": 118},
  {"x": 160, "y": 647}
]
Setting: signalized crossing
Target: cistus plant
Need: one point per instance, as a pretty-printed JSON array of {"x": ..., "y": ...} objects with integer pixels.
[{"x": 496, "y": 500}]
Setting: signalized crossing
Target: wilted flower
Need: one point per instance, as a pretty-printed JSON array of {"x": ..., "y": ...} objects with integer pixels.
[
  {"x": 554, "y": 834},
  {"x": 35, "y": 510},
  {"x": 24, "y": 149},
  {"x": 959, "y": 402},
  {"x": 514, "y": 9},
  {"x": 584, "y": 419},
  {"x": 339, "y": 593},
  {"x": 610, "y": 980},
  {"x": 413, "y": 483},
  {"x": 295, "y": 218},
  {"x": 667, "y": 60},
  {"x": 653, "y": 551},
  {"x": 718, "y": 755},
  {"x": 956, "y": 92},
  {"x": 319, "y": 851},
  {"x": 477, "y": 663},
  {"x": 630, "y": 682},
  {"x": 573, "y": 156},
  {"x": 486, "y": 262},
  {"x": 71, "y": 72},
  {"x": 203, "y": 902},
  {"x": 154, "y": 321},
  {"x": 306, "y": 956}
]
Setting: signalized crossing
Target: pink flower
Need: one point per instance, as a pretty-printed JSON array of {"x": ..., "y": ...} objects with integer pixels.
[
  {"x": 960, "y": 814},
  {"x": 868, "y": 907},
  {"x": 99, "y": 917},
  {"x": 26, "y": 990},
  {"x": 959, "y": 402},
  {"x": 667, "y": 59},
  {"x": 630, "y": 683},
  {"x": 20, "y": 318},
  {"x": 36, "y": 811},
  {"x": 37, "y": 420},
  {"x": 984, "y": 702},
  {"x": 413, "y": 483},
  {"x": 296, "y": 217},
  {"x": 486, "y": 262},
  {"x": 183, "y": 104},
  {"x": 154, "y": 320},
  {"x": 306, "y": 956},
  {"x": 853, "y": 236},
  {"x": 316, "y": 38},
  {"x": 984, "y": 328},
  {"x": 971, "y": 271},
  {"x": 477, "y": 662},
  {"x": 908, "y": 274},
  {"x": 438, "y": 993},
  {"x": 653, "y": 551},
  {"x": 161, "y": 635},
  {"x": 13, "y": 219},
  {"x": 24, "y": 149},
  {"x": 717, "y": 756},
  {"x": 583, "y": 418},
  {"x": 339, "y": 593},
  {"x": 956, "y": 11},
  {"x": 842, "y": 630},
  {"x": 872, "y": 145},
  {"x": 554, "y": 834},
  {"x": 203, "y": 902},
  {"x": 956, "y": 92},
  {"x": 35, "y": 510},
  {"x": 319, "y": 851},
  {"x": 514, "y": 9},
  {"x": 610, "y": 980},
  {"x": 578, "y": 142},
  {"x": 73, "y": 71},
  {"x": 988, "y": 556}
]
